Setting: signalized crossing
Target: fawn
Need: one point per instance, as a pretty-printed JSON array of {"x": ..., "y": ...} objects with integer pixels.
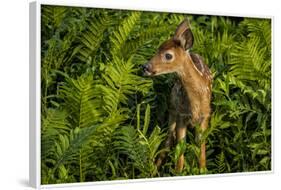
[{"x": 191, "y": 94}]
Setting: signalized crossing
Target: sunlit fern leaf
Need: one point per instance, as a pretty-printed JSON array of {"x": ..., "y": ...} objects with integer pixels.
[
  {"x": 56, "y": 122},
  {"x": 62, "y": 173},
  {"x": 140, "y": 147},
  {"x": 259, "y": 27},
  {"x": 148, "y": 36},
  {"x": 250, "y": 60},
  {"x": 127, "y": 142},
  {"x": 53, "y": 123},
  {"x": 98, "y": 155},
  {"x": 120, "y": 83},
  {"x": 92, "y": 37},
  {"x": 120, "y": 36},
  {"x": 80, "y": 99},
  {"x": 154, "y": 141},
  {"x": 68, "y": 146}
]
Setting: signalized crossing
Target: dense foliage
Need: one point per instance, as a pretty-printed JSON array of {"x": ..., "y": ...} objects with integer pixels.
[{"x": 102, "y": 120}]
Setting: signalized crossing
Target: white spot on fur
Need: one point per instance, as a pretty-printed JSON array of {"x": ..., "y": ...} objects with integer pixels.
[
  {"x": 197, "y": 69},
  {"x": 187, "y": 53},
  {"x": 202, "y": 66}
]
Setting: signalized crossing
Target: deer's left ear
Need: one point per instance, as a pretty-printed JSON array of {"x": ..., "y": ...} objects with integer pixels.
[{"x": 184, "y": 35}]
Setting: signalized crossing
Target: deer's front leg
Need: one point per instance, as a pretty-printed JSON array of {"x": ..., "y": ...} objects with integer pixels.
[
  {"x": 181, "y": 134},
  {"x": 203, "y": 126},
  {"x": 170, "y": 139}
]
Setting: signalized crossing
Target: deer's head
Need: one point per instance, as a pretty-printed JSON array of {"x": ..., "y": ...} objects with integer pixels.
[{"x": 171, "y": 54}]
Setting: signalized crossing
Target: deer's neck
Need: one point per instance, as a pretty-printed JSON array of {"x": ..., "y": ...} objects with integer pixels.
[
  {"x": 190, "y": 76},
  {"x": 191, "y": 82}
]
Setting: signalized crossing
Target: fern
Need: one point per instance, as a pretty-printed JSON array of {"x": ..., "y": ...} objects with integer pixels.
[
  {"x": 121, "y": 82},
  {"x": 127, "y": 142},
  {"x": 101, "y": 120},
  {"x": 80, "y": 99},
  {"x": 53, "y": 124},
  {"x": 249, "y": 62},
  {"x": 137, "y": 45},
  {"x": 120, "y": 36},
  {"x": 261, "y": 28},
  {"x": 139, "y": 147},
  {"x": 68, "y": 146},
  {"x": 92, "y": 38},
  {"x": 53, "y": 15},
  {"x": 220, "y": 162}
]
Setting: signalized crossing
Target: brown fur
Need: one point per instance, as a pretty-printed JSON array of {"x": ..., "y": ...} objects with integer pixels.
[{"x": 191, "y": 94}]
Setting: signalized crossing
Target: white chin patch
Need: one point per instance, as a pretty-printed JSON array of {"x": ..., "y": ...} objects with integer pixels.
[{"x": 146, "y": 73}]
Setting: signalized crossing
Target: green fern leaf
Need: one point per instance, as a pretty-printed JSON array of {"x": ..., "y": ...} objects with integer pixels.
[
  {"x": 120, "y": 36},
  {"x": 92, "y": 38},
  {"x": 80, "y": 99},
  {"x": 220, "y": 162}
]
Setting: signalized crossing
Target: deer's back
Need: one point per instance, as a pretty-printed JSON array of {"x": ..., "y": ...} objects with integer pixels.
[{"x": 201, "y": 66}]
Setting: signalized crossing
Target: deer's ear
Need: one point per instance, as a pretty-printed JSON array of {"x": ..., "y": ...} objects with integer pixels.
[{"x": 184, "y": 35}]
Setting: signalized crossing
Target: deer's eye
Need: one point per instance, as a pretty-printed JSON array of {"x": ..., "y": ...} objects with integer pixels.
[{"x": 168, "y": 56}]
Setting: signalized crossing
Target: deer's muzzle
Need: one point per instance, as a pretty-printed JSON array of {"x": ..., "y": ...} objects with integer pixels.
[{"x": 147, "y": 69}]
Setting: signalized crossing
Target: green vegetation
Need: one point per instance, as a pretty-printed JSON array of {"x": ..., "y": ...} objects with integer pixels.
[{"x": 102, "y": 120}]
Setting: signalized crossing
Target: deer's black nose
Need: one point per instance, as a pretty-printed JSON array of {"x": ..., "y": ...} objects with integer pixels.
[{"x": 145, "y": 67}]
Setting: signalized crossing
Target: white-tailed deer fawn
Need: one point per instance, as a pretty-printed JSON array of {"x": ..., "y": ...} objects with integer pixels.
[{"x": 191, "y": 94}]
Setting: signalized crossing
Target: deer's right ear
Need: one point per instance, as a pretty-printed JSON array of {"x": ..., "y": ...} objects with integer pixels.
[{"x": 184, "y": 35}]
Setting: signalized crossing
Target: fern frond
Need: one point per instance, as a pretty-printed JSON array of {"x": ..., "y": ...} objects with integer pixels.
[
  {"x": 53, "y": 15},
  {"x": 67, "y": 148},
  {"x": 249, "y": 61},
  {"x": 140, "y": 147},
  {"x": 136, "y": 46},
  {"x": 53, "y": 124},
  {"x": 261, "y": 28},
  {"x": 120, "y": 36},
  {"x": 92, "y": 38},
  {"x": 80, "y": 99},
  {"x": 154, "y": 141},
  {"x": 120, "y": 83},
  {"x": 220, "y": 162},
  {"x": 127, "y": 142}
]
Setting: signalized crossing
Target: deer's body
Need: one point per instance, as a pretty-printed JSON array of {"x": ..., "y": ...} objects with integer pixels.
[{"x": 191, "y": 93}]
